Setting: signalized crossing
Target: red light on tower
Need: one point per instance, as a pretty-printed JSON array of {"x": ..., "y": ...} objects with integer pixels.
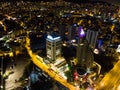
[{"x": 75, "y": 76}]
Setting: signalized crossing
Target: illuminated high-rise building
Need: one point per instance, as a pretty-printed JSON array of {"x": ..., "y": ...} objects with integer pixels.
[
  {"x": 53, "y": 47},
  {"x": 91, "y": 37},
  {"x": 84, "y": 53}
]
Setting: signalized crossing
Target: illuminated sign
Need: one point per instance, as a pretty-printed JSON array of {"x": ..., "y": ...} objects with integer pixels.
[
  {"x": 81, "y": 32},
  {"x": 51, "y": 38}
]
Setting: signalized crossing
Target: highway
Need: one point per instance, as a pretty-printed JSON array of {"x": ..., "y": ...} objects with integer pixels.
[
  {"x": 111, "y": 81},
  {"x": 46, "y": 68}
]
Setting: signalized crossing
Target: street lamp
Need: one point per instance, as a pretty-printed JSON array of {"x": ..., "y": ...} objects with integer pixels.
[{"x": 1, "y": 87}]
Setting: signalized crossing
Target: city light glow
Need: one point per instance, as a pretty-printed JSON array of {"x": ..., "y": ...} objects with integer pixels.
[
  {"x": 96, "y": 51},
  {"x": 81, "y": 32},
  {"x": 118, "y": 87},
  {"x": 76, "y": 76},
  {"x": 118, "y": 49},
  {"x": 80, "y": 26},
  {"x": 51, "y": 38}
]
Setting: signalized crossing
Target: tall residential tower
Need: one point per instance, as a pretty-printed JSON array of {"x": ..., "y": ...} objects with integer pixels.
[
  {"x": 84, "y": 53},
  {"x": 53, "y": 47}
]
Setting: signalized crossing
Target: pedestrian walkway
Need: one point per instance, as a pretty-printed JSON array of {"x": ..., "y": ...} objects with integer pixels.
[{"x": 12, "y": 81}]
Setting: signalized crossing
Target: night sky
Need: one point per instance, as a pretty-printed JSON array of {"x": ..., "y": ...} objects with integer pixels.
[
  {"x": 78, "y": 1},
  {"x": 67, "y": 0},
  {"x": 113, "y": 1}
]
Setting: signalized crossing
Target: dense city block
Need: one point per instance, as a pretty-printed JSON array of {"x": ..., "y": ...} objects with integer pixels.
[{"x": 59, "y": 45}]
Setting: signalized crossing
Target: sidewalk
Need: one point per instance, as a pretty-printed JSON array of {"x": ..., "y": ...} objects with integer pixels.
[{"x": 12, "y": 81}]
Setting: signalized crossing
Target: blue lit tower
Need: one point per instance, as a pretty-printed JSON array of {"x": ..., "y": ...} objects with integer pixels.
[
  {"x": 53, "y": 47},
  {"x": 84, "y": 53}
]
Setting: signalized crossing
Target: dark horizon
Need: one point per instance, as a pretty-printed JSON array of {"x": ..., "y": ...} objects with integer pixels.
[
  {"x": 67, "y": 0},
  {"x": 117, "y": 2}
]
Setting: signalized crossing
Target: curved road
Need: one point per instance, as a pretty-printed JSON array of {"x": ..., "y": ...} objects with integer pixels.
[
  {"x": 111, "y": 81},
  {"x": 46, "y": 68}
]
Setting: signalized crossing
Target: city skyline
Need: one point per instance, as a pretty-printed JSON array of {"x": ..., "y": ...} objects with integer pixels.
[{"x": 63, "y": 45}]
